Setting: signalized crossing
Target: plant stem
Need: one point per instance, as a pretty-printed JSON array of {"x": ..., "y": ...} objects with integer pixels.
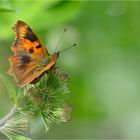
[{"x": 8, "y": 116}]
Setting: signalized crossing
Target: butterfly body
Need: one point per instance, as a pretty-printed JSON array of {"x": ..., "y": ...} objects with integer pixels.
[{"x": 31, "y": 58}]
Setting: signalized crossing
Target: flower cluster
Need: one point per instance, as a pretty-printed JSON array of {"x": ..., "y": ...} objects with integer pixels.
[{"x": 46, "y": 98}]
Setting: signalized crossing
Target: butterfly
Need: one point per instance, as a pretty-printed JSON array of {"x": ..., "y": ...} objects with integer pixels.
[{"x": 31, "y": 58}]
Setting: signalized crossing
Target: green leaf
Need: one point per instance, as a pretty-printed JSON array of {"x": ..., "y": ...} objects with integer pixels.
[{"x": 10, "y": 88}]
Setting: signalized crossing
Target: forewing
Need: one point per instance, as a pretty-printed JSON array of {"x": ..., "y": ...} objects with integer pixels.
[
  {"x": 29, "y": 52},
  {"x": 27, "y": 41}
]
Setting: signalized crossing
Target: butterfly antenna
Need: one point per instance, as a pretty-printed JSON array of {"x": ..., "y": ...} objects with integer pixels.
[
  {"x": 68, "y": 48},
  {"x": 60, "y": 39}
]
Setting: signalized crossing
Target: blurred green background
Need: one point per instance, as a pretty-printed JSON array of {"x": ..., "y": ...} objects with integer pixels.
[{"x": 104, "y": 68}]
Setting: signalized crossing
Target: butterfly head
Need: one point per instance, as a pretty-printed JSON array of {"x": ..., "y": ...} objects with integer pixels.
[
  {"x": 51, "y": 59},
  {"x": 54, "y": 56}
]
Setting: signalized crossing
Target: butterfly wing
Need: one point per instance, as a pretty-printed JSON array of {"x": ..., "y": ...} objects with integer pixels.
[
  {"x": 26, "y": 64},
  {"x": 27, "y": 41}
]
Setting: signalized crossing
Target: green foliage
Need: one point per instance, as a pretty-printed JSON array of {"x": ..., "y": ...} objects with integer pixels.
[
  {"x": 46, "y": 99},
  {"x": 16, "y": 128},
  {"x": 6, "y": 10},
  {"x": 10, "y": 88},
  {"x": 53, "y": 13},
  {"x": 104, "y": 68}
]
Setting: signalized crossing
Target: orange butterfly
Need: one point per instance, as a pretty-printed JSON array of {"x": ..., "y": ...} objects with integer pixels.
[{"x": 31, "y": 58}]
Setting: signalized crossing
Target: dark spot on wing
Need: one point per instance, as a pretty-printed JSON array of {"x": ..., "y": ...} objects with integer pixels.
[
  {"x": 38, "y": 46},
  {"x": 30, "y": 35},
  {"x": 31, "y": 50},
  {"x": 25, "y": 59}
]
